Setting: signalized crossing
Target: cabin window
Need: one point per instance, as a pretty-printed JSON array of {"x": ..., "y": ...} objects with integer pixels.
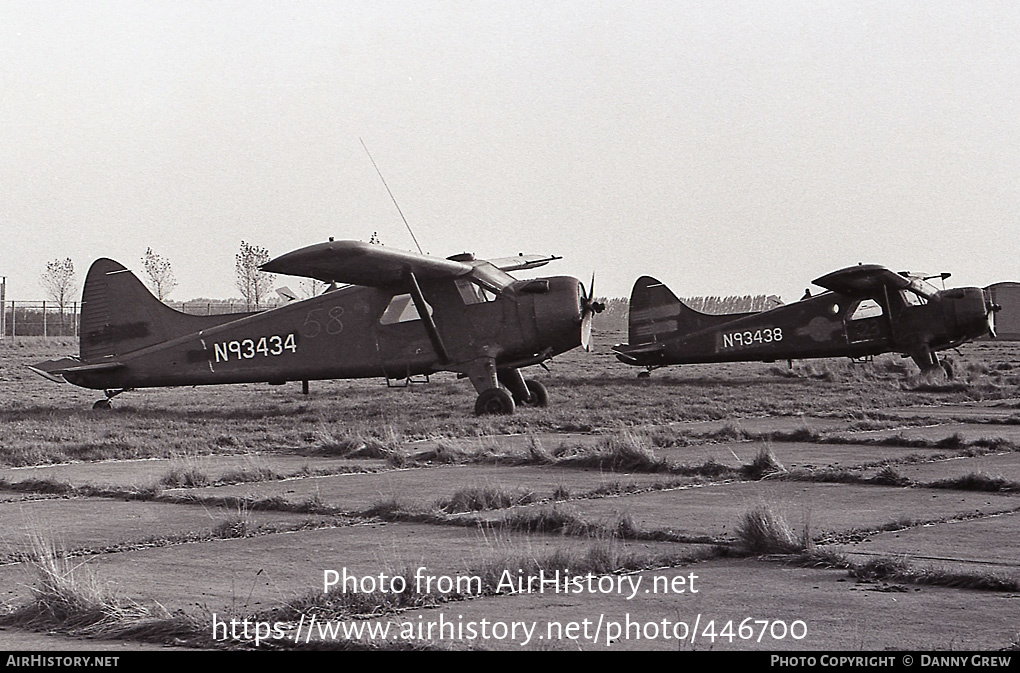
[
  {"x": 867, "y": 308},
  {"x": 473, "y": 293},
  {"x": 912, "y": 298},
  {"x": 401, "y": 309}
]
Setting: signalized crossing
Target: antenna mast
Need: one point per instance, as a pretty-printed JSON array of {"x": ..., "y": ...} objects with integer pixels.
[{"x": 391, "y": 195}]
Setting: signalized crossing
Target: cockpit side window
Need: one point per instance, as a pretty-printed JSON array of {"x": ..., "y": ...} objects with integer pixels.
[
  {"x": 866, "y": 308},
  {"x": 474, "y": 293},
  {"x": 912, "y": 298},
  {"x": 401, "y": 309}
]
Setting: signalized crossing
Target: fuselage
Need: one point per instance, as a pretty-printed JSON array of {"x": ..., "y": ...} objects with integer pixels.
[
  {"x": 358, "y": 332},
  {"x": 827, "y": 325}
]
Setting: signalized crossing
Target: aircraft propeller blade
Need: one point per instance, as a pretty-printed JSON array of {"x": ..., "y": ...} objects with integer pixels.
[
  {"x": 992, "y": 310},
  {"x": 589, "y": 307}
]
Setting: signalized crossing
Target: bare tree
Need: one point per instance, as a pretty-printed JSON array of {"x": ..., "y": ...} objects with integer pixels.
[
  {"x": 312, "y": 287},
  {"x": 254, "y": 284},
  {"x": 59, "y": 283},
  {"x": 161, "y": 279}
]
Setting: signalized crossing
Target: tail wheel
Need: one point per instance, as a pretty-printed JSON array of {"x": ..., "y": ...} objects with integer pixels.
[
  {"x": 494, "y": 401},
  {"x": 538, "y": 396}
]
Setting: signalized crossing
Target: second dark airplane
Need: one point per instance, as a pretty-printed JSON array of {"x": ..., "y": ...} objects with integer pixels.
[{"x": 868, "y": 310}]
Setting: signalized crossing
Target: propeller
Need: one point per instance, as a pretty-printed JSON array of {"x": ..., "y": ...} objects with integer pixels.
[
  {"x": 992, "y": 309},
  {"x": 589, "y": 307}
]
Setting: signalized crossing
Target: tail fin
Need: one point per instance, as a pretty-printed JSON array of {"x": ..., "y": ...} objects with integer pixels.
[
  {"x": 657, "y": 315},
  {"x": 119, "y": 315}
]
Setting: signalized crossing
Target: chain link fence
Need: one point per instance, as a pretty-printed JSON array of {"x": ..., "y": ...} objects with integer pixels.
[
  {"x": 39, "y": 318},
  {"x": 50, "y": 319}
]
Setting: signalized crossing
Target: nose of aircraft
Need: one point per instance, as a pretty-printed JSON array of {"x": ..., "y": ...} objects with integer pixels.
[{"x": 563, "y": 314}]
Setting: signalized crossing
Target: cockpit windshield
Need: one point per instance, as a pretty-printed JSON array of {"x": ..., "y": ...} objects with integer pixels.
[
  {"x": 488, "y": 275},
  {"x": 921, "y": 287}
]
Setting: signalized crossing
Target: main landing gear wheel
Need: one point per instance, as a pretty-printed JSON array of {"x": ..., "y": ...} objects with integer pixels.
[
  {"x": 538, "y": 396},
  {"x": 102, "y": 405},
  {"x": 644, "y": 375},
  {"x": 494, "y": 401}
]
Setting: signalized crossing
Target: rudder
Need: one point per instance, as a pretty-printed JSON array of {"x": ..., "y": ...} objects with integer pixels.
[
  {"x": 656, "y": 314},
  {"x": 120, "y": 315}
]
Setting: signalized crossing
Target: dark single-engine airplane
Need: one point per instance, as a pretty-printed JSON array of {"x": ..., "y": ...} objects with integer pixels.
[
  {"x": 868, "y": 310},
  {"x": 404, "y": 314}
]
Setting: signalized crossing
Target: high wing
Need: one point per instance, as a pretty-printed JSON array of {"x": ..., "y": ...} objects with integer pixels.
[
  {"x": 360, "y": 263},
  {"x": 862, "y": 280}
]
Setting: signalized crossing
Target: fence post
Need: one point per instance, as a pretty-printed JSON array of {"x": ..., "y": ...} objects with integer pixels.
[
  {"x": 44, "y": 320},
  {"x": 14, "y": 321}
]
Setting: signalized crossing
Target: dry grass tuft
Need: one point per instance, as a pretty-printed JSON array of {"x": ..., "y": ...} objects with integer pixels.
[
  {"x": 764, "y": 530},
  {"x": 482, "y": 498},
  {"x": 548, "y": 520},
  {"x": 977, "y": 481},
  {"x": 763, "y": 465},
  {"x": 626, "y": 451},
  {"x": 444, "y": 453},
  {"x": 236, "y": 526},
  {"x": 890, "y": 476},
  {"x": 184, "y": 473},
  {"x": 70, "y": 599},
  {"x": 898, "y": 569},
  {"x": 538, "y": 453}
]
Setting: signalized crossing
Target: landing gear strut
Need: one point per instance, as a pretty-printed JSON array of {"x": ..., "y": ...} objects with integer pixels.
[
  {"x": 947, "y": 366},
  {"x": 526, "y": 392},
  {"x": 502, "y": 391},
  {"x": 929, "y": 362},
  {"x": 537, "y": 395}
]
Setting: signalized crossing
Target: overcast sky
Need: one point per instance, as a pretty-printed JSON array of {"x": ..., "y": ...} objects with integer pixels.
[{"x": 724, "y": 147}]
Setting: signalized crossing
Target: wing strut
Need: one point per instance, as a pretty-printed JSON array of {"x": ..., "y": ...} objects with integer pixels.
[
  {"x": 426, "y": 317},
  {"x": 888, "y": 312}
]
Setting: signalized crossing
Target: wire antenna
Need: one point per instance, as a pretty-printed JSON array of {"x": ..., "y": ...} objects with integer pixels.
[{"x": 388, "y": 191}]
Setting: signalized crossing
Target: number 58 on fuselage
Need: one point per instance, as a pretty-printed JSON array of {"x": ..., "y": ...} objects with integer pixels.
[{"x": 403, "y": 314}]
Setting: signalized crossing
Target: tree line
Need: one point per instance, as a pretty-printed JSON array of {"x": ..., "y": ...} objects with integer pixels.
[
  {"x": 256, "y": 287},
  {"x": 60, "y": 282}
]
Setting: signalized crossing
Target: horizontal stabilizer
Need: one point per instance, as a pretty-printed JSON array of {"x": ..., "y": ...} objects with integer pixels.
[
  {"x": 55, "y": 369},
  {"x": 51, "y": 369},
  {"x": 94, "y": 367},
  {"x": 629, "y": 353},
  {"x": 286, "y": 293}
]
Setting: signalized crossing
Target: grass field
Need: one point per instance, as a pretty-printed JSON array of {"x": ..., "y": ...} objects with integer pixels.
[{"x": 816, "y": 481}]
